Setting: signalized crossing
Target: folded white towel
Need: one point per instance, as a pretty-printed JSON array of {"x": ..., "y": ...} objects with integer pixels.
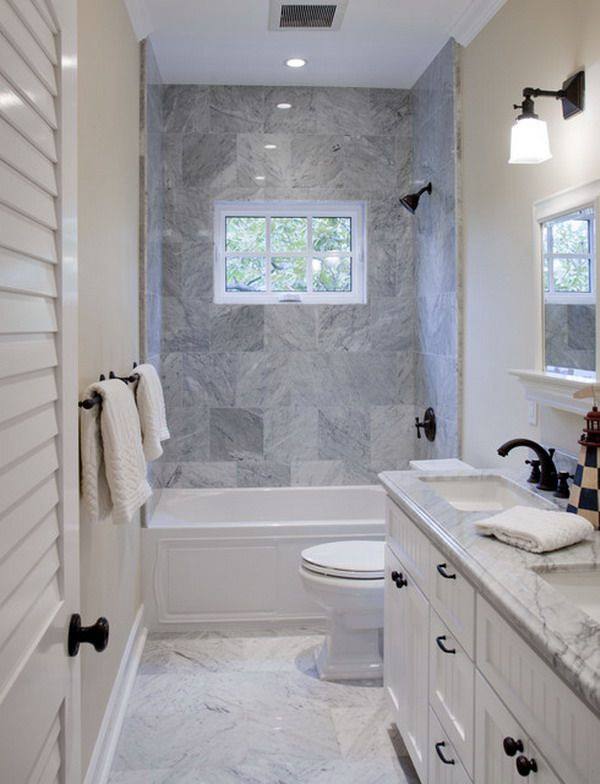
[
  {"x": 113, "y": 434},
  {"x": 151, "y": 407},
  {"x": 536, "y": 530}
]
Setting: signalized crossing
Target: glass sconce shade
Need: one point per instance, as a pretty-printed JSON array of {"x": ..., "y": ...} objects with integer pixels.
[{"x": 529, "y": 142}]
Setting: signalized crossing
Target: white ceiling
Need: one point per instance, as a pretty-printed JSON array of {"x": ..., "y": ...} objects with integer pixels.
[{"x": 382, "y": 43}]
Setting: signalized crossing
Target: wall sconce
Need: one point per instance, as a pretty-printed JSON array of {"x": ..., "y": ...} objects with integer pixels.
[{"x": 529, "y": 141}]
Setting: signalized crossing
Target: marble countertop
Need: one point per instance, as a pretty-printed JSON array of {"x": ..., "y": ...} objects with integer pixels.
[{"x": 512, "y": 579}]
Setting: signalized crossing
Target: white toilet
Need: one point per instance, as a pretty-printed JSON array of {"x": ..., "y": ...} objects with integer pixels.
[{"x": 346, "y": 579}]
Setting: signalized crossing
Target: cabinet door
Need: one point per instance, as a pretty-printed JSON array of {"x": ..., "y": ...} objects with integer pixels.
[
  {"x": 407, "y": 660},
  {"x": 495, "y": 724}
]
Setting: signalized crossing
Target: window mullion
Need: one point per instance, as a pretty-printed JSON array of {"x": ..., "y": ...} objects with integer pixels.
[
  {"x": 268, "y": 253},
  {"x": 309, "y": 254}
]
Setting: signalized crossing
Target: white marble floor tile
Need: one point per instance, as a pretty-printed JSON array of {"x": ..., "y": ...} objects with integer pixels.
[{"x": 244, "y": 707}]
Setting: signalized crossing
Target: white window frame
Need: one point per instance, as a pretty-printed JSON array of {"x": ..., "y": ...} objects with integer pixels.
[
  {"x": 356, "y": 210},
  {"x": 571, "y": 297}
]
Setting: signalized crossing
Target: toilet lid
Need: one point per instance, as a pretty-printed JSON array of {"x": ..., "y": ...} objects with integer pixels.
[{"x": 354, "y": 560}]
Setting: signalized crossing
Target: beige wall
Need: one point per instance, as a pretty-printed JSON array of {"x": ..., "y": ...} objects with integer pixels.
[
  {"x": 108, "y": 310},
  {"x": 529, "y": 43}
]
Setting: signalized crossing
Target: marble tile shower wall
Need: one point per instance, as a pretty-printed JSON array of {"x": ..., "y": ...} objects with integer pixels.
[
  {"x": 435, "y": 158},
  {"x": 286, "y": 394},
  {"x": 151, "y": 236}
]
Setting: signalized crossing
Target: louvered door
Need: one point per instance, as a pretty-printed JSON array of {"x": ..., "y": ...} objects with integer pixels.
[{"x": 39, "y": 719}]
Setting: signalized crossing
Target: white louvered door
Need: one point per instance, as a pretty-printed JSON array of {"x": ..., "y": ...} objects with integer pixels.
[{"x": 39, "y": 683}]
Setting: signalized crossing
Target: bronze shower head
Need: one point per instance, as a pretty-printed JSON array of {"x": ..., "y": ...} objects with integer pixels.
[{"x": 411, "y": 200}]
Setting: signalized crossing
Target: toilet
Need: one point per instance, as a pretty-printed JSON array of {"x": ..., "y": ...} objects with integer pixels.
[{"x": 346, "y": 579}]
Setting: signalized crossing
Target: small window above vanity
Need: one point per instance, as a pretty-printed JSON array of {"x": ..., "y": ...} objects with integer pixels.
[{"x": 566, "y": 263}]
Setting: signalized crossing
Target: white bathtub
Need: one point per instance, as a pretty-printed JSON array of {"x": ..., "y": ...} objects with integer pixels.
[{"x": 230, "y": 556}]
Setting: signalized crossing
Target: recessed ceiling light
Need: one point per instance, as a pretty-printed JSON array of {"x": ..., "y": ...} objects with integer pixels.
[
  {"x": 270, "y": 146},
  {"x": 295, "y": 62},
  {"x": 284, "y": 105},
  {"x": 260, "y": 177}
]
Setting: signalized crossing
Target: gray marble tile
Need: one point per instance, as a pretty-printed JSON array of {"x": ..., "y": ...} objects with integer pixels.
[
  {"x": 344, "y": 328},
  {"x": 253, "y": 159},
  {"x": 345, "y": 434},
  {"x": 343, "y": 110},
  {"x": 301, "y": 118},
  {"x": 196, "y": 259},
  {"x": 210, "y": 378},
  {"x": 317, "y": 473},
  {"x": 370, "y": 163},
  {"x": 291, "y": 327},
  {"x": 188, "y": 214},
  {"x": 391, "y": 112},
  {"x": 235, "y": 433},
  {"x": 262, "y": 473},
  {"x": 236, "y": 109},
  {"x": 393, "y": 441},
  {"x": 237, "y": 327},
  {"x": 171, "y": 375},
  {"x": 185, "y": 108},
  {"x": 391, "y": 322},
  {"x": 437, "y": 384},
  {"x": 209, "y": 160},
  {"x": 317, "y": 160},
  {"x": 264, "y": 379},
  {"x": 189, "y": 434},
  {"x": 197, "y": 474},
  {"x": 186, "y": 325},
  {"x": 437, "y": 328},
  {"x": 291, "y": 433}
]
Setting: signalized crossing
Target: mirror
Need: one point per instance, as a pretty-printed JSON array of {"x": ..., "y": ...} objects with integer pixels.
[{"x": 569, "y": 284}]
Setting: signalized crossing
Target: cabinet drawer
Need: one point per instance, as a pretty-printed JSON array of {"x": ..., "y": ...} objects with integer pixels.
[
  {"x": 409, "y": 544},
  {"x": 495, "y": 727},
  {"x": 453, "y": 598},
  {"x": 565, "y": 731},
  {"x": 451, "y": 688},
  {"x": 444, "y": 765}
]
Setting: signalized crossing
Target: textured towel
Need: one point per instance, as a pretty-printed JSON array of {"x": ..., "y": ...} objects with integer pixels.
[
  {"x": 95, "y": 494},
  {"x": 151, "y": 407},
  {"x": 536, "y": 530},
  {"x": 112, "y": 435}
]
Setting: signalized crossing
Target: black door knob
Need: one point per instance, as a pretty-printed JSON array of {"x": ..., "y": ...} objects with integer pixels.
[
  {"x": 96, "y": 635},
  {"x": 438, "y": 747},
  {"x": 526, "y": 766},
  {"x": 512, "y": 746}
]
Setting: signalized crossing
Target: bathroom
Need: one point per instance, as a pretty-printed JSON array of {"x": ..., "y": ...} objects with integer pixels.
[{"x": 279, "y": 256}]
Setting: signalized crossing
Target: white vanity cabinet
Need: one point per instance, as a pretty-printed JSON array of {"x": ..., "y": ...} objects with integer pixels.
[
  {"x": 405, "y": 659},
  {"x": 458, "y": 675}
]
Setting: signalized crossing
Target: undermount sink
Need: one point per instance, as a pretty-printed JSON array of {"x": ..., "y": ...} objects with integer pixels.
[
  {"x": 581, "y": 588},
  {"x": 490, "y": 493}
]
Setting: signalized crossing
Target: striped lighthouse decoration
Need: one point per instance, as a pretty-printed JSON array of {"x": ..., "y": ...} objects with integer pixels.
[{"x": 585, "y": 490}]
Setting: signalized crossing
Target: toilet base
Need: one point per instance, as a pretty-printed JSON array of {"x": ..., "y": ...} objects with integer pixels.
[{"x": 349, "y": 653}]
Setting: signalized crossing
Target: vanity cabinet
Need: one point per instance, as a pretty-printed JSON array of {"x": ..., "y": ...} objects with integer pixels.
[
  {"x": 405, "y": 659},
  {"x": 457, "y": 674}
]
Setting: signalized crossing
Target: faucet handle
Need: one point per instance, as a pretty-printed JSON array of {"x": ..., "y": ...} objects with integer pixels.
[{"x": 535, "y": 475}]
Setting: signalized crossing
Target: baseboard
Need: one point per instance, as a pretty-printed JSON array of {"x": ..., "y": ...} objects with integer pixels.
[{"x": 110, "y": 729}]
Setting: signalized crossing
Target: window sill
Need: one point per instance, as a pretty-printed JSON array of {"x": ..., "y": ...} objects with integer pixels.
[{"x": 554, "y": 390}]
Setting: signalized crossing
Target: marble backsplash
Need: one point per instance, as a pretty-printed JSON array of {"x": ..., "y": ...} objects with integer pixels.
[{"x": 286, "y": 394}]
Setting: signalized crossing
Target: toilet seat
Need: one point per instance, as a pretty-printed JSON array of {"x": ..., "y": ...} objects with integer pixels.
[{"x": 355, "y": 560}]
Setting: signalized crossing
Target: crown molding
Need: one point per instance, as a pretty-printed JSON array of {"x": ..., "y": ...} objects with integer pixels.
[
  {"x": 140, "y": 18},
  {"x": 474, "y": 18}
]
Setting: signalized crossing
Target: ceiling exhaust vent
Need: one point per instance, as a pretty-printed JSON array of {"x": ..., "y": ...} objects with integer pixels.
[{"x": 306, "y": 16}]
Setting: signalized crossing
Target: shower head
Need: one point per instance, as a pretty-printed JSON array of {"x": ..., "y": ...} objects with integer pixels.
[{"x": 411, "y": 200}]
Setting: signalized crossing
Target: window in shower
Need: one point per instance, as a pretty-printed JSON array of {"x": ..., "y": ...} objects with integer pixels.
[{"x": 278, "y": 252}]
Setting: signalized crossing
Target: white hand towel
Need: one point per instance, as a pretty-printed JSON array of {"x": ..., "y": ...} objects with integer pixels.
[
  {"x": 151, "y": 407},
  {"x": 95, "y": 494},
  {"x": 120, "y": 444},
  {"x": 536, "y": 530}
]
